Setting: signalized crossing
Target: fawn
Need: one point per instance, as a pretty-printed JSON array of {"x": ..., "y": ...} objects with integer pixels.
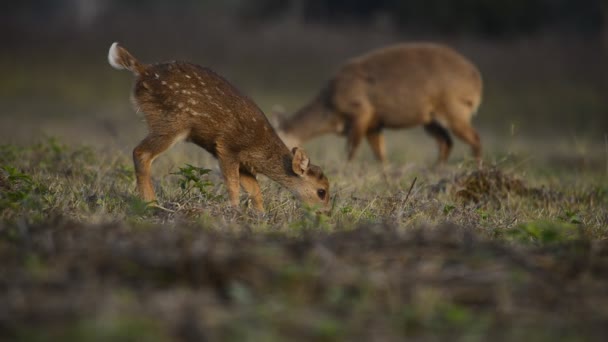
[
  {"x": 399, "y": 86},
  {"x": 186, "y": 102}
]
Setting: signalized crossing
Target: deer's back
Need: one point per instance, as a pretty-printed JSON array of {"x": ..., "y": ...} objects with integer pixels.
[
  {"x": 401, "y": 82},
  {"x": 184, "y": 97}
]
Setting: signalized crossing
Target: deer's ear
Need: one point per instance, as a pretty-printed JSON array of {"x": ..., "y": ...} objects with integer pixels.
[
  {"x": 300, "y": 161},
  {"x": 277, "y": 116}
]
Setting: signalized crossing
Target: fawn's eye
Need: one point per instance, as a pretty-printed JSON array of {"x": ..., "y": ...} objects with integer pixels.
[{"x": 321, "y": 193}]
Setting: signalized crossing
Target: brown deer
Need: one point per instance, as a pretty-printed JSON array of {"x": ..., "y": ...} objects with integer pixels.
[
  {"x": 186, "y": 102},
  {"x": 400, "y": 86}
]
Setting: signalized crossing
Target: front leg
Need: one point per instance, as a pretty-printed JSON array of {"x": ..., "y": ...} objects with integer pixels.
[
  {"x": 230, "y": 171},
  {"x": 358, "y": 128}
]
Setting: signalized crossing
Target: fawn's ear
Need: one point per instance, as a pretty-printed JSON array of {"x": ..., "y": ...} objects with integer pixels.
[{"x": 300, "y": 161}]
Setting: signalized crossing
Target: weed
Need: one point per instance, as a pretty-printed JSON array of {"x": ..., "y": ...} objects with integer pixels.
[
  {"x": 571, "y": 217},
  {"x": 448, "y": 208},
  {"x": 19, "y": 192},
  {"x": 544, "y": 232},
  {"x": 195, "y": 178}
]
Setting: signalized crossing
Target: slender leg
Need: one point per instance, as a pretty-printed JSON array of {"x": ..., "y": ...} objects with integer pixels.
[
  {"x": 143, "y": 156},
  {"x": 375, "y": 138},
  {"x": 251, "y": 186},
  {"x": 443, "y": 139},
  {"x": 358, "y": 128},
  {"x": 230, "y": 170}
]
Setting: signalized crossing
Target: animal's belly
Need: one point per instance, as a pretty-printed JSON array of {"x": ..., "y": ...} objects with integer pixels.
[
  {"x": 401, "y": 117},
  {"x": 402, "y": 111}
]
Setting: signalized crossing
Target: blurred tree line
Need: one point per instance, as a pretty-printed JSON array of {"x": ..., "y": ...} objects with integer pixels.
[
  {"x": 483, "y": 17},
  {"x": 493, "y": 18}
]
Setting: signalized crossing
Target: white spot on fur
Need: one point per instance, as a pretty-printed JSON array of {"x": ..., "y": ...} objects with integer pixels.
[
  {"x": 180, "y": 105},
  {"x": 192, "y": 101},
  {"x": 219, "y": 106},
  {"x": 156, "y": 75},
  {"x": 163, "y": 83},
  {"x": 188, "y": 76},
  {"x": 113, "y": 57}
]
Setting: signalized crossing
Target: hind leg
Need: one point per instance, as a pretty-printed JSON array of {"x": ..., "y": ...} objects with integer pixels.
[
  {"x": 375, "y": 138},
  {"x": 443, "y": 139},
  {"x": 251, "y": 186},
  {"x": 143, "y": 156}
]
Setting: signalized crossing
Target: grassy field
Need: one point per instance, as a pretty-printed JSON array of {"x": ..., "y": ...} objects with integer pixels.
[{"x": 517, "y": 251}]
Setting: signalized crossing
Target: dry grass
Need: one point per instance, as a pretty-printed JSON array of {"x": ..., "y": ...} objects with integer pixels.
[{"x": 462, "y": 253}]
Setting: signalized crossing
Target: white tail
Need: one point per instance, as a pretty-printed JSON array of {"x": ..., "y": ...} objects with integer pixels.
[
  {"x": 113, "y": 57},
  {"x": 120, "y": 59}
]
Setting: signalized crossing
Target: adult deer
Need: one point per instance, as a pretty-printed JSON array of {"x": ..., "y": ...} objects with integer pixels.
[{"x": 400, "y": 86}]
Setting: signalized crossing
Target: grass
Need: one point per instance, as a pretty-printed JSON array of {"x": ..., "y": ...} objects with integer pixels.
[{"x": 458, "y": 253}]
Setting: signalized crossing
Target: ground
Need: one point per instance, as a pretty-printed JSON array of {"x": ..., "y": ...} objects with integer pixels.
[{"x": 435, "y": 253}]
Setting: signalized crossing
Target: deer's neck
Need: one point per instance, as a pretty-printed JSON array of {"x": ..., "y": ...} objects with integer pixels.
[{"x": 274, "y": 160}]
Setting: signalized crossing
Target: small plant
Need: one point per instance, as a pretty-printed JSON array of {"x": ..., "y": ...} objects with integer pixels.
[
  {"x": 139, "y": 207},
  {"x": 16, "y": 187},
  {"x": 544, "y": 232},
  {"x": 571, "y": 217},
  {"x": 195, "y": 178},
  {"x": 20, "y": 194},
  {"x": 448, "y": 208},
  {"x": 483, "y": 214},
  {"x": 311, "y": 219},
  {"x": 347, "y": 209}
]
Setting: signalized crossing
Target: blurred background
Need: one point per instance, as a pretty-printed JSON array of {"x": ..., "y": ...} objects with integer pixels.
[{"x": 544, "y": 62}]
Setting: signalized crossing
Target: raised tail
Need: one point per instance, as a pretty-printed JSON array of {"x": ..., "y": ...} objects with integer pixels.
[{"x": 120, "y": 58}]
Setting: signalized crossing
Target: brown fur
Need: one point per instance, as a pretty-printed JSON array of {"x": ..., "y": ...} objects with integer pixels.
[
  {"x": 183, "y": 101},
  {"x": 400, "y": 86}
]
